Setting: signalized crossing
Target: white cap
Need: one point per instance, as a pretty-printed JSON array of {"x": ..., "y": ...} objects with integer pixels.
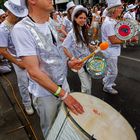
[
  {"x": 70, "y": 5},
  {"x": 17, "y": 7},
  {"x": 76, "y": 9},
  {"x": 131, "y": 6},
  {"x": 113, "y": 3},
  {"x": 1, "y": 12}
]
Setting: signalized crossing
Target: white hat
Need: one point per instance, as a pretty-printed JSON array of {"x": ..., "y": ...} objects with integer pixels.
[
  {"x": 76, "y": 9},
  {"x": 70, "y": 5},
  {"x": 1, "y": 12},
  {"x": 131, "y": 6},
  {"x": 113, "y": 3},
  {"x": 17, "y": 7}
]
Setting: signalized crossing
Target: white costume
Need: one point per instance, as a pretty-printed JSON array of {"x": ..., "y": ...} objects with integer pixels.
[{"x": 112, "y": 52}]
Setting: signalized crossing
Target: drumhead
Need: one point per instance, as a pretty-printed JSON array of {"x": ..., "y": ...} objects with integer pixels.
[
  {"x": 125, "y": 30},
  {"x": 101, "y": 120},
  {"x": 96, "y": 67}
]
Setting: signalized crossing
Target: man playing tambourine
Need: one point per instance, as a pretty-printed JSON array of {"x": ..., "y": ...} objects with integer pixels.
[{"x": 115, "y": 9}]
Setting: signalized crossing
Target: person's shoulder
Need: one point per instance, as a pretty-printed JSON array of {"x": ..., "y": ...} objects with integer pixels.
[
  {"x": 66, "y": 19},
  {"x": 20, "y": 24},
  {"x": 107, "y": 23},
  {"x": 127, "y": 13},
  {"x": 71, "y": 32},
  {"x": 4, "y": 28}
]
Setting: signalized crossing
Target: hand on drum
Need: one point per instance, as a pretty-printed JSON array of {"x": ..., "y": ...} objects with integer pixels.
[
  {"x": 75, "y": 64},
  {"x": 73, "y": 105}
]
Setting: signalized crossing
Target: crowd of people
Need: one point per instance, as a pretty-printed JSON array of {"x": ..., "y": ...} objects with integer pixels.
[{"x": 42, "y": 44}]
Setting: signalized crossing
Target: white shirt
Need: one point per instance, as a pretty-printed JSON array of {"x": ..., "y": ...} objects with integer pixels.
[
  {"x": 107, "y": 30},
  {"x": 26, "y": 45},
  {"x": 130, "y": 15},
  {"x": 67, "y": 23},
  {"x": 5, "y": 37},
  {"x": 79, "y": 50}
]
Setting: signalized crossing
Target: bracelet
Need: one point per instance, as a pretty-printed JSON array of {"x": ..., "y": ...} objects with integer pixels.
[
  {"x": 58, "y": 91},
  {"x": 72, "y": 58},
  {"x": 65, "y": 96}
]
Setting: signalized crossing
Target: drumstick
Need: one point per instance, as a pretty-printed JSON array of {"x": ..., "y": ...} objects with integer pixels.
[{"x": 102, "y": 46}]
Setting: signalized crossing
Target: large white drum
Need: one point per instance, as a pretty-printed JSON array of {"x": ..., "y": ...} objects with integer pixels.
[{"x": 99, "y": 122}]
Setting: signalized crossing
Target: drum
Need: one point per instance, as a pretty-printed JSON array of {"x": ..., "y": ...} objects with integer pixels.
[
  {"x": 99, "y": 122},
  {"x": 125, "y": 30},
  {"x": 96, "y": 67},
  {"x": 135, "y": 24}
]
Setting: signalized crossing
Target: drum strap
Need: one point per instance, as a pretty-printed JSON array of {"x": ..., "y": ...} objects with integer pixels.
[{"x": 78, "y": 126}]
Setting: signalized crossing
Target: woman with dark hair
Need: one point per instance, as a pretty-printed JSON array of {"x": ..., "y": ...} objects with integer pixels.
[{"x": 76, "y": 42}]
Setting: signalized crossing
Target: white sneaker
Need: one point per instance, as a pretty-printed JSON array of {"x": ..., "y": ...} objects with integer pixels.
[
  {"x": 110, "y": 90},
  {"x": 29, "y": 110}
]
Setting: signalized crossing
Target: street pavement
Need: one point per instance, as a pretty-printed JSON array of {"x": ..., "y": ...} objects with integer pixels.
[{"x": 127, "y": 102}]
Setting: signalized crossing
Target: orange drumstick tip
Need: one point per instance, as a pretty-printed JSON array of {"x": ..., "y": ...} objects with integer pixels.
[{"x": 104, "y": 45}]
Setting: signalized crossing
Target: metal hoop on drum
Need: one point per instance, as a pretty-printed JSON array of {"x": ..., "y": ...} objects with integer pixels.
[{"x": 96, "y": 67}]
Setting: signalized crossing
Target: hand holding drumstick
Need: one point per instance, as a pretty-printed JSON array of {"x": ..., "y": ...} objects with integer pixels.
[{"x": 76, "y": 64}]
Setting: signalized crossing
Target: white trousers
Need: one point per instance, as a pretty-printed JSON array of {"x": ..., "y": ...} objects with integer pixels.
[
  {"x": 112, "y": 72},
  {"x": 86, "y": 81},
  {"x": 47, "y": 108},
  {"x": 23, "y": 83}
]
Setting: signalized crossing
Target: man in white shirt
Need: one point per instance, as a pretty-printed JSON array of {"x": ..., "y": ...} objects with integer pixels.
[
  {"x": 131, "y": 12},
  {"x": 7, "y": 49},
  {"x": 35, "y": 39},
  {"x": 108, "y": 34}
]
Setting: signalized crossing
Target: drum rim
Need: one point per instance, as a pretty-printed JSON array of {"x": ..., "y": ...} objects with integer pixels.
[
  {"x": 100, "y": 73},
  {"x": 76, "y": 124}
]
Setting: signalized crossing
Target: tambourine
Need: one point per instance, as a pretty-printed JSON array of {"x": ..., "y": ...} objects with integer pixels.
[
  {"x": 125, "y": 30},
  {"x": 96, "y": 67}
]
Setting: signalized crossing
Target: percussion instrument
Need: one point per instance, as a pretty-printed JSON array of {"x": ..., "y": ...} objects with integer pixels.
[
  {"x": 102, "y": 46},
  {"x": 100, "y": 121},
  {"x": 96, "y": 67},
  {"x": 126, "y": 29}
]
